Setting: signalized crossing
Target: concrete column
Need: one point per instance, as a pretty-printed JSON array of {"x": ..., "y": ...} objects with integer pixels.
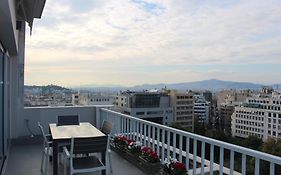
[{"x": 17, "y": 84}]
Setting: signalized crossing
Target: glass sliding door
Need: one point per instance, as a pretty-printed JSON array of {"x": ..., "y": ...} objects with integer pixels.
[{"x": 1, "y": 109}]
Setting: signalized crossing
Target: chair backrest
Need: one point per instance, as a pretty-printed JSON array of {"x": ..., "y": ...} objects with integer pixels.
[
  {"x": 43, "y": 134},
  {"x": 68, "y": 120},
  {"x": 88, "y": 145},
  {"x": 106, "y": 127}
]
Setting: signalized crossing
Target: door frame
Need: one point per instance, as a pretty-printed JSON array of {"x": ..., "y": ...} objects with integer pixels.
[{"x": 2, "y": 146}]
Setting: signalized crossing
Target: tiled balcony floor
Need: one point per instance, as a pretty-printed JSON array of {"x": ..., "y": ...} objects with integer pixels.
[{"x": 26, "y": 159}]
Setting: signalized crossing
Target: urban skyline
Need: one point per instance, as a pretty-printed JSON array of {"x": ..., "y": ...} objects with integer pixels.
[{"x": 136, "y": 42}]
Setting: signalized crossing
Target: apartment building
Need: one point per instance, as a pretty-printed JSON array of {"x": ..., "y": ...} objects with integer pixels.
[
  {"x": 258, "y": 116},
  {"x": 225, "y": 112},
  {"x": 227, "y": 101},
  {"x": 201, "y": 109},
  {"x": 86, "y": 99},
  {"x": 183, "y": 106},
  {"x": 149, "y": 105}
]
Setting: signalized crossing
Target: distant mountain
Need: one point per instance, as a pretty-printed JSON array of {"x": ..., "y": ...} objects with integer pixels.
[
  {"x": 47, "y": 89},
  {"x": 212, "y": 84}
]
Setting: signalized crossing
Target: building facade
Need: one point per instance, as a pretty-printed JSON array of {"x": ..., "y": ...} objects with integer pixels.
[
  {"x": 86, "y": 99},
  {"x": 151, "y": 106},
  {"x": 183, "y": 106},
  {"x": 201, "y": 109},
  {"x": 258, "y": 116}
]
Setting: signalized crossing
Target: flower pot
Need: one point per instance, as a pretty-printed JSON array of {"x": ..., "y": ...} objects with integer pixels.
[
  {"x": 123, "y": 152},
  {"x": 148, "y": 167}
]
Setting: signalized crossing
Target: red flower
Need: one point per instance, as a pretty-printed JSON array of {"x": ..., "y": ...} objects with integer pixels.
[
  {"x": 179, "y": 166},
  {"x": 146, "y": 150},
  {"x": 149, "y": 154},
  {"x": 153, "y": 155},
  {"x": 129, "y": 141}
]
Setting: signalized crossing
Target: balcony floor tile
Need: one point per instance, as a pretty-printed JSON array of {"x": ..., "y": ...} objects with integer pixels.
[{"x": 26, "y": 159}]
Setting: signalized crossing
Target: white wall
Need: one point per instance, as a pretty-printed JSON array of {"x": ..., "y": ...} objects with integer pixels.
[{"x": 46, "y": 115}]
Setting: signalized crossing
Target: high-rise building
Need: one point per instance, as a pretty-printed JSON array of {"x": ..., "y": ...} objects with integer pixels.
[
  {"x": 201, "y": 109},
  {"x": 225, "y": 112},
  {"x": 183, "y": 105},
  {"x": 148, "y": 105},
  {"x": 258, "y": 116},
  {"x": 227, "y": 100}
]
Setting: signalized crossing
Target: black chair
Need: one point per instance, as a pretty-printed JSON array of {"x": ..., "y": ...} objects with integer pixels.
[
  {"x": 68, "y": 120},
  {"x": 87, "y": 146}
]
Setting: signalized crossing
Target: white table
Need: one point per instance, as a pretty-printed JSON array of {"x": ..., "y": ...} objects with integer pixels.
[{"x": 63, "y": 134}]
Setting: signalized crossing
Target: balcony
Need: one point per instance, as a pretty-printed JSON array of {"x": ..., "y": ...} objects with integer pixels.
[{"x": 200, "y": 154}]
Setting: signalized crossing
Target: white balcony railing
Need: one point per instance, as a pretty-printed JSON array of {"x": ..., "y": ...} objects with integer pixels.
[{"x": 214, "y": 156}]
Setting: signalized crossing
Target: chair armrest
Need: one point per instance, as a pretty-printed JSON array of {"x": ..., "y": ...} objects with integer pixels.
[{"x": 66, "y": 152}]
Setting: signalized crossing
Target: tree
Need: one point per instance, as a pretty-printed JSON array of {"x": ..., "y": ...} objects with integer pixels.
[
  {"x": 198, "y": 127},
  {"x": 272, "y": 146},
  {"x": 252, "y": 142},
  {"x": 178, "y": 126}
]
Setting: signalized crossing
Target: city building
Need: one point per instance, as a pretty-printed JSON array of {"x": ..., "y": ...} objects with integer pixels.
[
  {"x": 201, "y": 109},
  {"x": 227, "y": 100},
  {"x": 84, "y": 99},
  {"x": 225, "y": 112},
  {"x": 183, "y": 106},
  {"x": 149, "y": 105},
  {"x": 258, "y": 116}
]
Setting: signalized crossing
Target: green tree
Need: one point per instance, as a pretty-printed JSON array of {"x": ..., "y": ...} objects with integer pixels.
[
  {"x": 178, "y": 126},
  {"x": 272, "y": 146},
  {"x": 198, "y": 127},
  {"x": 252, "y": 142}
]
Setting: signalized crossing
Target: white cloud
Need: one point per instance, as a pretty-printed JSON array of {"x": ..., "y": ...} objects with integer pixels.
[{"x": 173, "y": 32}]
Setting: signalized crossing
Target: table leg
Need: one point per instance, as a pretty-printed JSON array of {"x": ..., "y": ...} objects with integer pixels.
[
  {"x": 103, "y": 159},
  {"x": 55, "y": 157}
]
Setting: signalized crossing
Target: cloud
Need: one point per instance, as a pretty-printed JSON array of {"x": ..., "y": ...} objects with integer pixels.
[{"x": 157, "y": 32}]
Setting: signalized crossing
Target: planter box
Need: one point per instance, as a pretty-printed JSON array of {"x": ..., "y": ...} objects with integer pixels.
[
  {"x": 149, "y": 168},
  {"x": 142, "y": 164},
  {"x": 124, "y": 153}
]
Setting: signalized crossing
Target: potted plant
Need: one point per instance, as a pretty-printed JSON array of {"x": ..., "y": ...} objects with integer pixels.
[
  {"x": 174, "y": 167},
  {"x": 135, "y": 148},
  {"x": 149, "y": 161},
  {"x": 120, "y": 141},
  {"x": 125, "y": 147}
]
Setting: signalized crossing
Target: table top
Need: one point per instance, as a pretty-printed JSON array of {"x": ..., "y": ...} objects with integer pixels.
[{"x": 83, "y": 130}]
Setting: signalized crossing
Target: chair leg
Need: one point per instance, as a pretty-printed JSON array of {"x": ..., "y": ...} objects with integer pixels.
[
  {"x": 64, "y": 167},
  {"x": 47, "y": 164},
  {"x": 109, "y": 159},
  {"x": 42, "y": 161}
]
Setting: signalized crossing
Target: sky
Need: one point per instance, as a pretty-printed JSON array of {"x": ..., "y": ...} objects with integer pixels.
[{"x": 132, "y": 42}]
